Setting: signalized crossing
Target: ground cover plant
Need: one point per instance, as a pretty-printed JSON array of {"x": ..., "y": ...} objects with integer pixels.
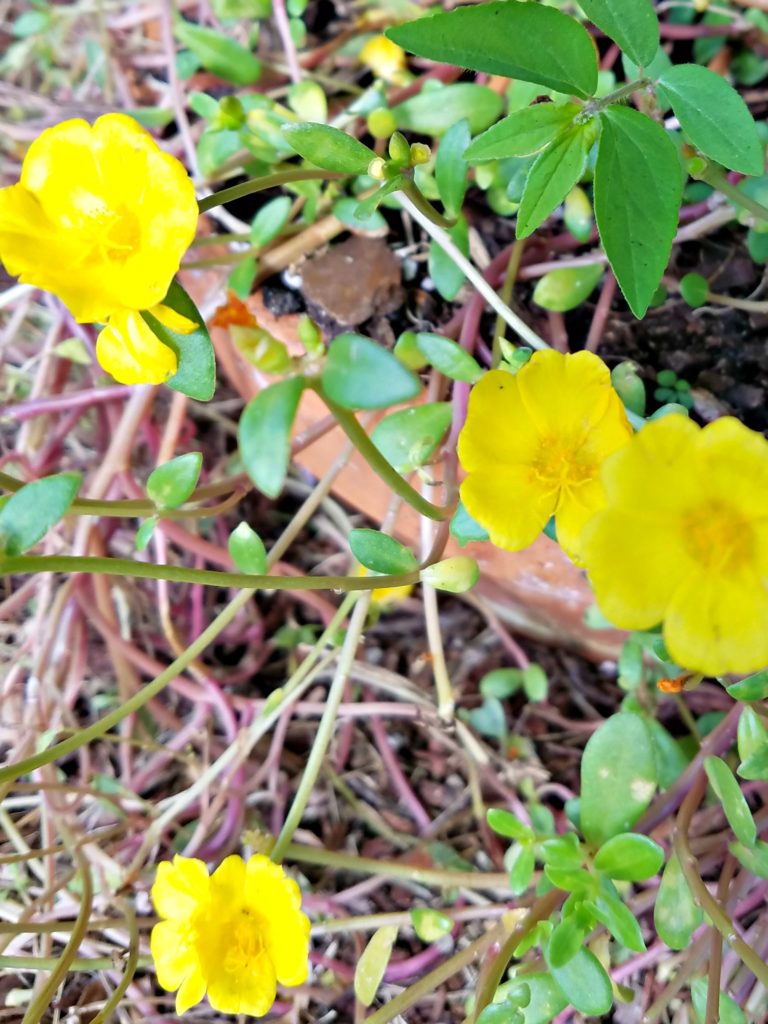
[{"x": 312, "y": 319}]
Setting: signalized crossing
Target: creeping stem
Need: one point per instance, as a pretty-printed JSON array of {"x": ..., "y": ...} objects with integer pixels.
[{"x": 247, "y": 188}]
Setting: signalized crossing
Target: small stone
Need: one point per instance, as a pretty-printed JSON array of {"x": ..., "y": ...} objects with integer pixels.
[{"x": 354, "y": 281}]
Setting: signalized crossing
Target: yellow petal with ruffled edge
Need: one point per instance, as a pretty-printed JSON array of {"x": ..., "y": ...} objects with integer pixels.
[{"x": 128, "y": 349}]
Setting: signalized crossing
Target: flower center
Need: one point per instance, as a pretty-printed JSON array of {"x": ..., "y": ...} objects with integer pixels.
[
  {"x": 121, "y": 236},
  {"x": 559, "y": 465},
  {"x": 718, "y": 537},
  {"x": 245, "y": 942}
]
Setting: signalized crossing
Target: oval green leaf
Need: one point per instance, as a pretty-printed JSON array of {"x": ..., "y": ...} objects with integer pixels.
[
  {"x": 449, "y": 358},
  {"x": 506, "y": 824},
  {"x": 371, "y": 966},
  {"x": 270, "y": 220},
  {"x": 247, "y": 551},
  {"x": 499, "y": 38},
  {"x": 218, "y": 53},
  {"x": 618, "y": 777},
  {"x": 328, "y": 147},
  {"x": 360, "y": 374},
  {"x": 435, "y": 111},
  {"x": 196, "y": 373},
  {"x": 752, "y": 688},
  {"x": 636, "y": 162},
  {"x": 29, "y": 514},
  {"x": 561, "y": 290},
  {"x": 409, "y": 437},
  {"x": 630, "y": 23},
  {"x": 446, "y": 274},
  {"x": 675, "y": 913},
  {"x": 171, "y": 483},
  {"x": 585, "y": 984},
  {"x": 755, "y": 767},
  {"x": 728, "y": 792},
  {"x": 752, "y": 735},
  {"x": 451, "y": 167},
  {"x": 629, "y": 857},
  {"x": 556, "y": 170},
  {"x": 714, "y": 117},
  {"x": 381, "y": 553},
  {"x": 264, "y": 434},
  {"x": 523, "y": 133},
  {"x": 619, "y": 920}
]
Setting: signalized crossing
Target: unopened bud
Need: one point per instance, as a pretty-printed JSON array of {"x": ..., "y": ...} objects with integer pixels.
[
  {"x": 230, "y": 115},
  {"x": 399, "y": 149},
  {"x": 309, "y": 335},
  {"x": 381, "y": 123},
  {"x": 420, "y": 154},
  {"x": 456, "y": 575},
  {"x": 262, "y": 349},
  {"x": 377, "y": 169}
]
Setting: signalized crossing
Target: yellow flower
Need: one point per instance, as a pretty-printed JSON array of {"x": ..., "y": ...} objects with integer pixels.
[
  {"x": 101, "y": 217},
  {"x": 385, "y": 58},
  {"x": 385, "y": 597},
  {"x": 233, "y": 935},
  {"x": 533, "y": 445},
  {"x": 683, "y": 539},
  {"x": 129, "y": 350}
]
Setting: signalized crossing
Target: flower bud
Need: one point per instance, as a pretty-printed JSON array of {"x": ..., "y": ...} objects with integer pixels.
[
  {"x": 420, "y": 154},
  {"x": 230, "y": 116},
  {"x": 309, "y": 335},
  {"x": 262, "y": 349},
  {"x": 377, "y": 169},
  {"x": 399, "y": 149},
  {"x": 381, "y": 123},
  {"x": 456, "y": 575}
]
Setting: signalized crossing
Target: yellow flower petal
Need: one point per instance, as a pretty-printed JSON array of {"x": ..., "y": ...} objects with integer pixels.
[
  {"x": 172, "y": 320},
  {"x": 180, "y": 888},
  {"x": 510, "y": 504},
  {"x": 385, "y": 58},
  {"x": 101, "y": 217},
  {"x": 565, "y": 395},
  {"x": 251, "y": 991},
  {"x": 498, "y": 428},
  {"x": 717, "y": 624},
  {"x": 129, "y": 350},
  {"x": 191, "y": 992}
]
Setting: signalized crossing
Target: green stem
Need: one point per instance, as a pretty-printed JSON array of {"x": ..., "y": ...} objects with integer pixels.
[
  {"x": 714, "y": 177},
  {"x": 11, "y": 772},
  {"x": 595, "y": 106},
  {"x": 365, "y": 446},
  {"x": 446, "y": 243},
  {"x": 701, "y": 893},
  {"x": 397, "y": 869},
  {"x": 41, "y": 1002},
  {"x": 247, "y": 188},
  {"x": 47, "y": 963},
  {"x": 24, "y": 564},
  {"x": 410, "y": 189},
  {"x": 325, "y": 729},
  {"x": 105, "y": 1013}
]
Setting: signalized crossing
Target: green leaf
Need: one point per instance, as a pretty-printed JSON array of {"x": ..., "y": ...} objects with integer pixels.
[
  {"x": 501, "y": 682},
  {"x": 270, "y": 220},
  {"x": 171, "y": 484},
  {"x": 567, "y": 940},
  {"x": 449, "y": 358},
  {"x": 145, "y": 532},
  {"x": 619, "y": 920},
  {"x": 728, "y": 792},
  {"x": 520, "y": 860},
  {"x": 360, "y": 374},
  {"x": 243, "y": 275},
  {"x": 506, "y": 824},
  {"x": 372, "y": 964},
  {"x": 489, "y": 719},
  {"x": 754, "y": 859},
  {"x": 464, "y": 528},
  {"x": 714, "y": 117},
  {"x": 447, "y": 276},
  {"x": 694, "y": 289},
  {"x": 752, "y": 735},
  {"x": 618, "y": 777},
  {"x": 409, "y": 437},
  {"x": 630, "y": 23},
  {"x": 535, "y": 682},
  {"x": 564, "y": 289},
  {"x": 752, "y": 688},
  {"x": 675, "y": 913},
  {"x": 728, "y": 1010},
  {"x": 264, "y": 434},
  {"x": 585, "y": 984},
  {"x": 636, "y": 160},
  {"x": 379, "y": 552},
  {"x": 247, "y": 551},
  {"x": 670, "y": 757},
  {"x": 328, "y": 147},
  {"x": 629, "y": 857},
  {"x": 451, "y": 167},
  {"x": 556, "y": 170},
  {"x": 546, "y": 999},
  {"x": 516, "y": 40},
  {"x": 563, "y": 851},
  {"x": 523, "y": 133},
  {"x": 430, "y": 925},
  {"x": 435, "y": 111},
  {"x": 218, "y": 53},
  {"x": 755, "y": 767},
  {"x": 346, "y": 209},
  {"x": 196, "y": 375},
  {"x": 29, "y": 514},
  {"x": 572, "y": 879}
]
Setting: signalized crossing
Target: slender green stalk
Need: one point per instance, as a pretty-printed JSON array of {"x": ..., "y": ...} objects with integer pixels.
[
  {"x": 47, "y": 963},
  {"x": 247, "y": 188},
  {"x": 11, "y": 772},
  {"x": 520, "y": 327},
  {"x": 714, "y": 177},
  {"x": 41, "y": 1001},
  {"x": 25, "y": 564},
  {"x": 437, "y": 877},
  {"x": 410, "y": 189},
  {"x": 624, "y": 91},
  {"x": 131, "y": 963},
  {"x": 365, "y": 446},
  {"x": 325, "y": 729}
]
